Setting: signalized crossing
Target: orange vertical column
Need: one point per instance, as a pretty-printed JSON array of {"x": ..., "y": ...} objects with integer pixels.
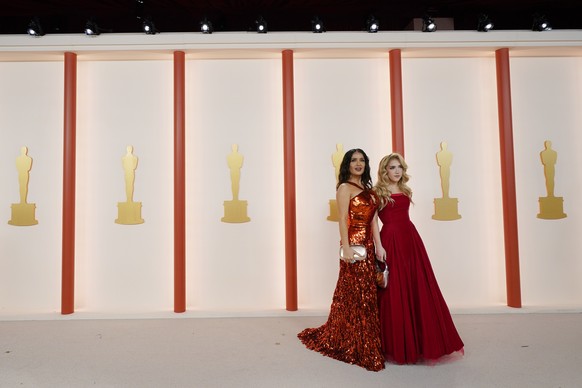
[
  {"x": 289, "y": 166},
  {"x": 508, "y": 179},
  {"x": 396, "y": 101},
  {"x": 69, "y": 170},
  {"x": 179, "y": 183}
]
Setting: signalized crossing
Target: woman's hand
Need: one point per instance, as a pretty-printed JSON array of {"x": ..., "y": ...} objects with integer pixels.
[
  {"x": 348, "y": 254},
  {"x": 380, "y": 253}
]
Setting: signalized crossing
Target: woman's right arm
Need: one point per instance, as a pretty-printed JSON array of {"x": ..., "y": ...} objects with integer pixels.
[
  {"x": 380, "y": 251},
  {"x": 343, "y": 196}
]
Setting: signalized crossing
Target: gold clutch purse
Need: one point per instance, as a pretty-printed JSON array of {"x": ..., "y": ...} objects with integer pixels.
[{"x": 360, "y": 250}]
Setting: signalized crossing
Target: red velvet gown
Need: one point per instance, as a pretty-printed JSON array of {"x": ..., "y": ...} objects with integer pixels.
[
  {"x": 415, "y": 321},
  {"x": 352, "y": 332}
]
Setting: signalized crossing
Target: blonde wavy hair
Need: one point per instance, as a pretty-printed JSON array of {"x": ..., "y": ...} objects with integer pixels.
[{"x": 381, "y": 187}]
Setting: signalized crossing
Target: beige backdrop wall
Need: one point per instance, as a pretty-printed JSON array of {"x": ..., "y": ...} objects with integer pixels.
[
  {"x": 234, "y": 97},
  {"x": 124, "y": 268},
  {"x": 234, "y": 267},
  {"x": 546, "y": 95},
  {"x": 31, "y": 111}
]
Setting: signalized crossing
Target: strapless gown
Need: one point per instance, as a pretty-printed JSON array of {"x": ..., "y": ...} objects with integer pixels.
[
  {"x": 415, "y": 321},
  {"x": 352, "y": 332}
]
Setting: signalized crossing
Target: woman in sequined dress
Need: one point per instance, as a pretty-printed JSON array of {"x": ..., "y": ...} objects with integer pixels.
[
  {"x": 352, "y": 332},
  {"x": 415, "y": 322}
]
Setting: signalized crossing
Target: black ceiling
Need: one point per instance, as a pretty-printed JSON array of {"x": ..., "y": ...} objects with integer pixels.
[{"x": 123, "y": 16}]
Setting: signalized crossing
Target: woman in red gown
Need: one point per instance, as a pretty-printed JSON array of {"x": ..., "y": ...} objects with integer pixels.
[
  {"x": 415, "y": 322},
  {"x": 352, "y": 332}
]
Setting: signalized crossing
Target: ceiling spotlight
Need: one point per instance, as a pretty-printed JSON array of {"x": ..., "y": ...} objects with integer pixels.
[
  {"x": 206, "y": 27},
  {"x": 372, "y": 24},
  {"x": 484, "y": 23},
  {"x": 91, "y": 28},
  {"x": 34, "y": 28},
  {"x": 428, "y": 24},
  {"x": 261, "y": 24},
  {"x": 540, "y": 23},
  {"x": 317, "y": 25},
  {"x": 149, "y": 27}
]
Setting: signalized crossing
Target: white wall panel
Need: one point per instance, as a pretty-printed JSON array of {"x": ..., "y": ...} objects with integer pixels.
[
  {"x": 31, "y": 115},
  {"x": 124, "y": 268},
  {"x": 546, "y": 95},
  {"x": 236, "y": 266}
]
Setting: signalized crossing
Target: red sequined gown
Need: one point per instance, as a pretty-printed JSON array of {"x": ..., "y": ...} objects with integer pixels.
[
  {"x": 414, "y": 318},
  {"x": 352, "y": 333}
]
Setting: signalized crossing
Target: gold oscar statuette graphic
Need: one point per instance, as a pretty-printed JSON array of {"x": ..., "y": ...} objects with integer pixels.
[
  {"x": 129, "y": 212},
  {"x": 23, "y": 212},
  {"x": 235, "y": 211},
  {"x": 336, "y": 160},
  {"x": 551, "y": 207},
  {"x": 445, "y": 208}
]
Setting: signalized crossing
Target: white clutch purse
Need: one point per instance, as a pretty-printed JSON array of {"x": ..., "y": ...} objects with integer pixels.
[{"x": 360, "y": 250}]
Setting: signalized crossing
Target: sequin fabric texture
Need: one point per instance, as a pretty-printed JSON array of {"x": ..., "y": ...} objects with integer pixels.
[{"x": 352, "y": 331}]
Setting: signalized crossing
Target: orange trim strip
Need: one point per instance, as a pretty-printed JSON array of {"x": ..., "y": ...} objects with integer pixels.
[
  {"x": 508, "y": 178},
  {"x": 289, "y": 166},
  {"x": 69, "y": 171},
  {"x": 179, "y": 183},
  {"x": 396, "y": 101}
]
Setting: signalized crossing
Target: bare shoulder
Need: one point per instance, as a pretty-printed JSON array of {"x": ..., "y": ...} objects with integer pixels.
[
  {"x": 344, "y": 187},
  {"x": 346, "y": 191}
]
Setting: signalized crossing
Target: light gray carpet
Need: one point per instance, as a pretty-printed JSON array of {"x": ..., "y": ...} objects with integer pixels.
[{"x": 501, "y": 350}]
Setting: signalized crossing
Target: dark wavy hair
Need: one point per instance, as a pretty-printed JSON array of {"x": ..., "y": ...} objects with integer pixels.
[{"x": 344, "y": 173}]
